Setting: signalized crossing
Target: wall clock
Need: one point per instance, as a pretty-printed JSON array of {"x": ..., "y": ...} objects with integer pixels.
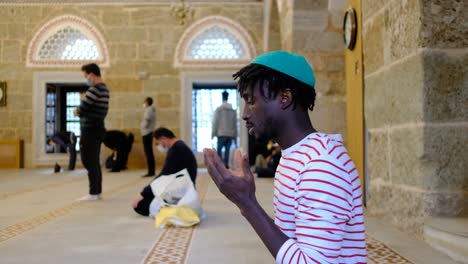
[
  {"x": 3, "y": 86},
  {"x": 350, "y": 28}
]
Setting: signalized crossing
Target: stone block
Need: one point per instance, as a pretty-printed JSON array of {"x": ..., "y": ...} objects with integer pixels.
[
  {"x": 176, "y": 99},
  {"x": 337, "y": 5},
  {"x": 3, "y": 31},
  {"x": 150, "y": 16},
  {"x": 444, "y": 24},
  {"x": 444, "y": 158},
  {"x": 370, "y": 7},
  {"x": 19, "y": 103},
  {"x": 402, "y": 24},
  {"x": 150, "y": 52},
  {"x": 125, "y": 52},
  {"x": 131, "y": 118},
  {"x": 121, "y": 68},
  {"x": 157, "y": 34},
  {"x": 312, "y": 21},
  {"x": 4, "y": 119},
  {"x": 445, "y": 86},
  {"x": 406, "y": 209},
  {"x": 115, "y": 18},
  {"x": 16, "y": 31},
  {"x": 20, "y": 86},
  {"x": 155, "y": 68},
  {"x": 337, "y": 87},
  {"x": 114, "y": 120},
  {"x": 126, "y": 34},
  {"x": 317, "y": 62},
  {"x": 25, "y": 134},
  {"x": 124, "y": 85},
  {"x": 406, "y": 149},
  {"x": 310, "y": 5},
  {"x": 15, "y": 71},
  {"x": 336, "y": 18},
  {"x": 378, "y": 156},
  {"x": 164, "y": 101},
  {"x": 336, "y": 64},
  {"x": 169, "y": 118},
  {"x": 8, "y": 133},
  {"x": 169, "y": 53},
  {"x": 395, "y": 95},
  {"x": 11, "y": 51},
  {"x": 322, "y": 42},
  {"x": 373, "y": 44},
  {"x": 447, "y": 203},
  {"x": 161, "y": 85},
  {"x": 130, "y": 102},
  {"x": 19, "y": 14},
  {"x": 21, "y": 119},
  {"x": 329, "y": 115},
  {"x": 161, "y": 35}
]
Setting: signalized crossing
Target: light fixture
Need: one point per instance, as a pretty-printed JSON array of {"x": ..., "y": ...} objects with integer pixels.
[{"x": 182, "y": 12}]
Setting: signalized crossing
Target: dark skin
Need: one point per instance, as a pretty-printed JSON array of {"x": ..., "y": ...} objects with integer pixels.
[{"x": 273, "y": 118}]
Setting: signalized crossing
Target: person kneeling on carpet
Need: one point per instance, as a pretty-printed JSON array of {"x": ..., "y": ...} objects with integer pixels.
[{"x": 179, "y": 157}]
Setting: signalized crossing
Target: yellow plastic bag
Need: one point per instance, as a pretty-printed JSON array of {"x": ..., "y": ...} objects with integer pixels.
[{"x": 181, "y": 216}]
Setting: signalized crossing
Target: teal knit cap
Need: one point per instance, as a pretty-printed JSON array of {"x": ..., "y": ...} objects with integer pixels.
[{"x": 293, "y": 65}]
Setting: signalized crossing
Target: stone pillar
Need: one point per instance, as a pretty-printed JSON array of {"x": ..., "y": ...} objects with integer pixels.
[
  {"x": 312, "y": 28},
  {"x": 416, "y": 92}
]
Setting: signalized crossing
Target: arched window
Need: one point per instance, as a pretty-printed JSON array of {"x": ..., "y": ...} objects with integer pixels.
[
  {"x": 214, "y": 41},
  {"x": 67, "y": 41}
]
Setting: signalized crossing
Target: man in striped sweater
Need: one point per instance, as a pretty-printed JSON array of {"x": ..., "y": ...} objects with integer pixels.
[
  {"x": 92, "y": 112},
  {"x": 318, "y": 214}
]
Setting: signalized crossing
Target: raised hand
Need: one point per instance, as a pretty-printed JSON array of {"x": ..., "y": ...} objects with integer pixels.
[{"x": 237, "y": 185}]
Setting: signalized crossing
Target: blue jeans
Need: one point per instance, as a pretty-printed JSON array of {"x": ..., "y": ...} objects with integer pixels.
[{"x": 224, "y": 142}]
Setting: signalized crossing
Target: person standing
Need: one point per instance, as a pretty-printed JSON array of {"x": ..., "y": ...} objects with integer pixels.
[
  {"x": 318, "y": 212},
  {"x": 66, "y": 140},
  {"x": 147, "y": 126},
  {"x": 92, "y": 112},
  {"x": 224, "y": 128}
]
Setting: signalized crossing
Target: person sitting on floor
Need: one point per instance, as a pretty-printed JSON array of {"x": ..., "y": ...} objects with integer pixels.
[
  {"x": 179, "y": 157},
  {"x": 121, "y": 145},
  {"x": 266, "y": 167}
]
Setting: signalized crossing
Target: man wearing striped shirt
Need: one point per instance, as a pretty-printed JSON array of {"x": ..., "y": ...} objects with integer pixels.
[
  {"x": 318, "y": 214},
  {"x": 92, "y": 112}
]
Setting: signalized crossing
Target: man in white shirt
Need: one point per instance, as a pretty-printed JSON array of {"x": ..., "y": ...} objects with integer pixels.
[{"x": 147, "y": 126}]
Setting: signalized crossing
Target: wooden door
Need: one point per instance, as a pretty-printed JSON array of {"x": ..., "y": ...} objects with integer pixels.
[{"x": 355, "y": 97}]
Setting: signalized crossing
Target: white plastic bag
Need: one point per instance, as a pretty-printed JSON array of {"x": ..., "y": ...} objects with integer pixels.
[{"x": 174, "y": 190}]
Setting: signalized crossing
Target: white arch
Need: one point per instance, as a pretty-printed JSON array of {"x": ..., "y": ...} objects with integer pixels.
[
  {"x": 52, "y": 27},
  {"x": 182, "y": 60}
]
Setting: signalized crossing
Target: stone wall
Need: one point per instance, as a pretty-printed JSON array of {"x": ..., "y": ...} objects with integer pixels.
[
  {"x": 140, "y": 38},
  {"x": 416, "y": 92}
]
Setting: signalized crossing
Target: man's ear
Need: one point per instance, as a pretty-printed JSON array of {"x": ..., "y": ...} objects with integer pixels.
[{"x": 285, "y": 98}]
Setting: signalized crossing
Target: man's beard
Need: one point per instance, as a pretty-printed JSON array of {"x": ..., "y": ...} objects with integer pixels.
[{"x": 269, "y": 131}]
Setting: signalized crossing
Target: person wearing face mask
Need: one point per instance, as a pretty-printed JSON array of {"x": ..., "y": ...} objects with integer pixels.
[
  {"x": 146, "y": 127},
  {"x": 178, "y": 157},
  {"x": 92, "y": 112}
]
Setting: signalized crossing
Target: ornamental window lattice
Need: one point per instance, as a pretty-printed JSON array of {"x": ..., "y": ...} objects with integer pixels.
[
  {"x": 68, "y": 44},
  {"x": 214, "y": 41},
  {"x": 67, "y": 41}
]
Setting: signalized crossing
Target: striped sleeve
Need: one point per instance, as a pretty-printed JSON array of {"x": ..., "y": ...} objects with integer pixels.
[
  {"x": 95, "y": 103},
  {"x": 324, "y": 203}
]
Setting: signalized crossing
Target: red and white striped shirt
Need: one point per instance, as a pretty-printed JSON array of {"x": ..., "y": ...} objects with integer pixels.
[{"x": 318, "y": 203}]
